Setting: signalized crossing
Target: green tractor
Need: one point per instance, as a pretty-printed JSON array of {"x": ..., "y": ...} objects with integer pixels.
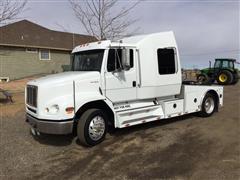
[{"x": 223, "y": 72}]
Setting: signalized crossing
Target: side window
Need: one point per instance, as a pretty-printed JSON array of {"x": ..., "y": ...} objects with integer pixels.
[
  {"x": 44, "y": 54},
  {"x": 166, "y": 61},
  {"x": 31, "y": 50},
  {"x": 227, "y": 64},
  {"x": 115, "y": 59},
  {"x": 231, "y": 64}
]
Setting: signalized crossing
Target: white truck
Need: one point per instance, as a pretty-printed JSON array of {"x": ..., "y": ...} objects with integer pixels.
[{"x": 121, "y": 83}]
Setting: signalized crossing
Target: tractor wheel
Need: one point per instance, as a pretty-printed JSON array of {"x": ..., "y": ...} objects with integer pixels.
[
  {"x": 203, "y": 78},
  {"x": 235, "y": 79},
  {"x": 225, "y": 77}
]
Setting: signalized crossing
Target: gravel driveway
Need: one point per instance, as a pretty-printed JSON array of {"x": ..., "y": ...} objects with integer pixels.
[{"x": 187, "y": 147}]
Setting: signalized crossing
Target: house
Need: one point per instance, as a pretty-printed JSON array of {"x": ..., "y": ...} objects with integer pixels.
[{"x": 28, "y": 49}]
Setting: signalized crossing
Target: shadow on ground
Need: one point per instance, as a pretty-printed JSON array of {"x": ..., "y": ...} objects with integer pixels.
[
  {"x": 54, "y": 140},
  {"x": 64, "y": 140}
]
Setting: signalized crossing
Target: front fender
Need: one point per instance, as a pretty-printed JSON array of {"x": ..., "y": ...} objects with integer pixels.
[
  {"x": 85, "y": 100},
  {"x": 85, "y": 97}
]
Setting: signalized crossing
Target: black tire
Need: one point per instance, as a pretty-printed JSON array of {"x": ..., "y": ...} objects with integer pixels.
[
  {"x": 228, "y": 77},
  {"x": 83, "y": 133},
  {"x": 203, "y": 78},
  {"x": 235, "y": 79},
  {"x": 208, "y": 110}
]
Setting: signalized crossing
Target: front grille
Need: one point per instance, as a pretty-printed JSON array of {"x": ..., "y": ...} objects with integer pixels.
[{"x": 32, "y": 95}]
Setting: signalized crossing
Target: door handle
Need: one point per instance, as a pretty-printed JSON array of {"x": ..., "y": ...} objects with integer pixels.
[{"x": 134, "y": 83}]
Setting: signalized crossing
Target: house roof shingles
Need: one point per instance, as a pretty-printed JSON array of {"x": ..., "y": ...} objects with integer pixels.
[{"x": 27, "y": 34}]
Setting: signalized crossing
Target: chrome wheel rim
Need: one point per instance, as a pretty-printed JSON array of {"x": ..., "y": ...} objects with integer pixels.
[
  {"x": 96, "y": 128},
  {"x": 209, "y": 105}
]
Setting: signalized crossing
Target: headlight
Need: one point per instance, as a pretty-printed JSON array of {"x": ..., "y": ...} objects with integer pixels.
[{"x": 53, "y": 109}]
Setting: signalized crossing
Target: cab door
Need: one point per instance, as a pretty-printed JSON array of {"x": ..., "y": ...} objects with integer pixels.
[{"x": 120, "y": 81}]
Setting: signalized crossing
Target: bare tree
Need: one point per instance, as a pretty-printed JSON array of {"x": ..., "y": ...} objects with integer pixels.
[
  {"x": 10, "y": 9},
  {"x": 104, "y": 19}
]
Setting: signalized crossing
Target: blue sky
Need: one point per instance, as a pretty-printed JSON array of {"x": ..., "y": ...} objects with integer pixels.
[{"x": 204, "y": 30}]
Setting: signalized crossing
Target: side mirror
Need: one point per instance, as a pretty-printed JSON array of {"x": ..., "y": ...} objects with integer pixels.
[{"x": 126, "y": 59}]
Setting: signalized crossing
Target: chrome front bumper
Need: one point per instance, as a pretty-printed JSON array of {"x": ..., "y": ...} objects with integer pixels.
[{"x": 50, "y": 126}]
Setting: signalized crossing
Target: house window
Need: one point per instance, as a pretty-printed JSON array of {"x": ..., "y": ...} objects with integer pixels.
[
  {"x": 31, "y": 50},
  {"x": 166, "y": 61},
  {"x": 44, "y": 54}
]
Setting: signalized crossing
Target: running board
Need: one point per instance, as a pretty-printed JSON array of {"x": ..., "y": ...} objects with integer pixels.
[{"x": 139, "y": 116}]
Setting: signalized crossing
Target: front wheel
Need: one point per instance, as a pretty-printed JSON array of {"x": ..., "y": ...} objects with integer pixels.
[
  {"x": 203, "y": 78},
  {"x": 209, "y": 105},
  {"x": 92, "y": 127}
]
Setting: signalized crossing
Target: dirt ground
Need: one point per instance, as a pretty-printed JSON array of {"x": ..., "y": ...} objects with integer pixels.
[{"x": 187, "y": 147}]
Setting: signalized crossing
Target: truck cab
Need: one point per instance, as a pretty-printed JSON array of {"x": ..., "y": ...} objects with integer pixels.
[{"x": 120, "y": 83}]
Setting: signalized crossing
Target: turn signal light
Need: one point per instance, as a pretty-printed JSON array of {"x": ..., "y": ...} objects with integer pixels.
[{"x": 69, "y": 110}]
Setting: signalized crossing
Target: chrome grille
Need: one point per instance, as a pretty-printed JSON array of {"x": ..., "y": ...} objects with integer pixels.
[{"x": 32, "y": 95}]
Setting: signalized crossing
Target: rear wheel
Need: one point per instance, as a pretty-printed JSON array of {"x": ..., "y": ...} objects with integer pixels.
[
  {"x": 235, "y": 79},
  {"x": 92, "y": 127},
  {"x": 209, "y": 105},
  {"x": 225, "y": 78}
]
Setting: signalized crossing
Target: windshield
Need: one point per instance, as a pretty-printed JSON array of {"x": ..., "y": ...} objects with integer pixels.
[
  {"x": 88, "y": 60},
  {"x": 217, "y": 64}
]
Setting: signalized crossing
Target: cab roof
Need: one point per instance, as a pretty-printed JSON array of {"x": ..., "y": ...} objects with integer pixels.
[
  {"x": 225, "y": 59},
  {"x": 132, "y": 41}
]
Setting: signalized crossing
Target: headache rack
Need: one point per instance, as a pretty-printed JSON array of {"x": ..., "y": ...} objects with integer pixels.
[{"x": 32, "y": 95}]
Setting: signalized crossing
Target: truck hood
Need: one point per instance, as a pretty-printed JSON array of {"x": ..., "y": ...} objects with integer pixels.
[{"x": 66, "y": 77}]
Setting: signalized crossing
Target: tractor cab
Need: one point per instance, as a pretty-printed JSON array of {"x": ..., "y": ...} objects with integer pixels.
[{"x": 224, "y": 64}]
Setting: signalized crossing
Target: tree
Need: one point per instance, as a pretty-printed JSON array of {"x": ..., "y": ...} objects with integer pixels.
[
  {"x": 10, "y": 9},
  {"x": 104, "y": 19}
]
